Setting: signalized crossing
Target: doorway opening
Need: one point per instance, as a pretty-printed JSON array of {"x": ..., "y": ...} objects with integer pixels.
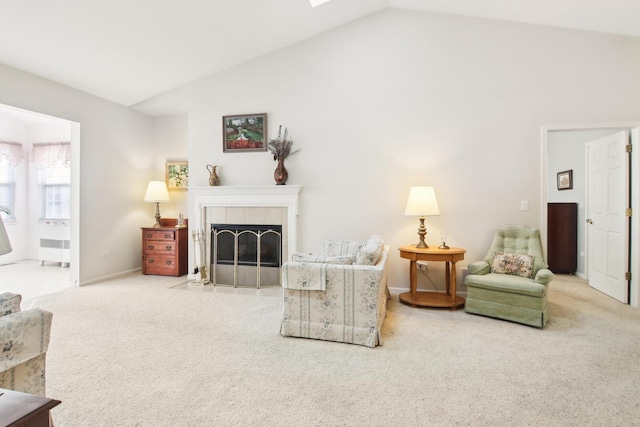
[
  {"x": 565, "y": 144},
  {"x": 42, "y": 175}
]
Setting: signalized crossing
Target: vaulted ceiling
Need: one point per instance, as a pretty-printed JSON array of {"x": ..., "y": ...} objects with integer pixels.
[{"x": 127, "y": 51}]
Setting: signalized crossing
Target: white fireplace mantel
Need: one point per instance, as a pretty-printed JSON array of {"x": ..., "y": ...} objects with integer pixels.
[{"x": 285, "y": 196}]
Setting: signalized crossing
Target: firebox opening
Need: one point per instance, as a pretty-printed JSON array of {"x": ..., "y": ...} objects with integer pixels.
[{"x": 227, "y": 240}]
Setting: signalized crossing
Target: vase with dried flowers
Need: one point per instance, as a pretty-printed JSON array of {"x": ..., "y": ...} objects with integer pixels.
[{"x": 280, "y": 147}]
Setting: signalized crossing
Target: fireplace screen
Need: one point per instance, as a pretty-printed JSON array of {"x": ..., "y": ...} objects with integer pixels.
[{"x": 245, "y": 250}]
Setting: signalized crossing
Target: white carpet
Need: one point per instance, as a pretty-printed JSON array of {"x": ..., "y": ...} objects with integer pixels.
[{"x": 142, "y": 351}]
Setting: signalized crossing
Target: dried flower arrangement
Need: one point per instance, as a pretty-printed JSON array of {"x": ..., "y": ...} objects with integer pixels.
[{"x": 281, "y": 146}]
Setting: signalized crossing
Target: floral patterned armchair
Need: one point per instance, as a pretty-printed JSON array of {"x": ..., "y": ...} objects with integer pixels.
[
  {"x": 511, "y": 282},
  {"x": 340, "y": 295},
  {"x": 24, "y": 339}
]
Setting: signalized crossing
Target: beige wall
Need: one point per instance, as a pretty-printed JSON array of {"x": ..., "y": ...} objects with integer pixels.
[
  {"x": 403, "y": 98},
  {"x": 392, "y": 100}
]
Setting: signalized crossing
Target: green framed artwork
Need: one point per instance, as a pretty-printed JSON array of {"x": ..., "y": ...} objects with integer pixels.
[
  {"x": 244, "y": 133},
  {"x": 177, "y": 175}
]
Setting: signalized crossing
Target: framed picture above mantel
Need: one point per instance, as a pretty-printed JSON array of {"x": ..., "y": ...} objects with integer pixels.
[{"x": 245, "y": 132}]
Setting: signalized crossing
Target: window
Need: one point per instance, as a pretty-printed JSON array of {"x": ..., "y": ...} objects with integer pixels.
[
  {"x": 10, "y": 157},
  {"x": 52, "y": 161},
  {"x": 7, "y": 193},
  {"x": 55, "y": 190}
]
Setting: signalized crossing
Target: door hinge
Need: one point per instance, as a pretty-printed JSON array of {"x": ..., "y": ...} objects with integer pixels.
[
  {"x": 628, "y": 212},
  {"x": 627, "y": 275},
  {"x": 628, "y": 148}
]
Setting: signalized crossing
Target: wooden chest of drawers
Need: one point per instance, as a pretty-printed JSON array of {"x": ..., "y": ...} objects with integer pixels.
[{"x": 164, "y": 251}]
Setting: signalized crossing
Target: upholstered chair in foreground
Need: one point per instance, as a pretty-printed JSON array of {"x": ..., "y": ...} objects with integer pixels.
[
  {"x": 511, "y": 282},
  {"x": 340, "y": 295},
  {"x": 24, "y": 339}
]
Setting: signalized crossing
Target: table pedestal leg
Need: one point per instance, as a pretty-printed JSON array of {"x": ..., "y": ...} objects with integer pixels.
[
  {"x": 447, "y": 277},
  {"x": 413, "y": 279},
  {"x": 453, "y": 282}
]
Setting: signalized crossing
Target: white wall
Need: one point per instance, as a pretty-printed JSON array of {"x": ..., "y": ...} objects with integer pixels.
[
  {"x": 115, "y": 153},
  {"x": 403, "y": 98},
  {"x": 171, "y": 142}
]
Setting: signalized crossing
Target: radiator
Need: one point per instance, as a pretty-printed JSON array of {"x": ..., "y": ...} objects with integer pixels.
[{"x": 54, "y": 243}]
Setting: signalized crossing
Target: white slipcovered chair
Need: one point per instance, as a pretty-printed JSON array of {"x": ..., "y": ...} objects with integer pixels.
[
  {"x": 340, "y": 295},
  {"x": 24, "y": 340}
]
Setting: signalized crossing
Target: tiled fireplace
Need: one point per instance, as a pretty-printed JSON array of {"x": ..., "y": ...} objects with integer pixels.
[{"x": 260, "y": 205}]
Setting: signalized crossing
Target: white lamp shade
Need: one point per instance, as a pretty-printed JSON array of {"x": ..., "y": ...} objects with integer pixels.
[
  {"x": 422, "y": 202},
  {"x": 157, "y": 192},
  {"x": 5, "y": 244}
]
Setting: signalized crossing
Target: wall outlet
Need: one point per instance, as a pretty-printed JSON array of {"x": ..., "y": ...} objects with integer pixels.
[
  {"x": 524, "y": 205},
  {"x": 464, "y": 272},
  {"x": 422, "y": 265},
  {"x": 104, "y": 254}
]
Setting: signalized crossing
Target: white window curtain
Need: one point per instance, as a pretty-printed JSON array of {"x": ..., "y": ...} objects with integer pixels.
[
  {"x": 52, "y": 154},
  {"x": 53, "y": 161},
  {"x": 10, "y": 153}
]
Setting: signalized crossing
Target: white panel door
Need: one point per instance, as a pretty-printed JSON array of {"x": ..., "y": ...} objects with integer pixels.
[{"x": 607, "y": 223}]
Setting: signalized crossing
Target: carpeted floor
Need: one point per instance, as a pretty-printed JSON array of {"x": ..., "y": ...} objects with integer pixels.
[{"x": 147, "y": 351}]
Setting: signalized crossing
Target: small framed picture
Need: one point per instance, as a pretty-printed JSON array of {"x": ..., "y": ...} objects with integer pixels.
[
  {"x": 177, "y": 174},
  {"x": 565, "y": 180},
  {"x": 247, "y": 132}
]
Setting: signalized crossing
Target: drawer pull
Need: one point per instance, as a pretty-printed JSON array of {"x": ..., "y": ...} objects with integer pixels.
[
  {"x": 151, "y": 261},
  {"x": 168, "y": 262},
  {"x": 152, "y": 246},
  {"x": 149, "y": 235},
  {"x": 168, "y": 236},
  {"x": 168, "y": 247}
]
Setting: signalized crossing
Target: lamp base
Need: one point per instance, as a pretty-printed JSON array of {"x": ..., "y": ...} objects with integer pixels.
[
  {"x": 422, "y": 231},
  {"x": 157, "y": 224}
]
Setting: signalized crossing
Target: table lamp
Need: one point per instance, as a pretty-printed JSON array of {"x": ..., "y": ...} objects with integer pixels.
[
  {"x": 5, "y": 244},
  {"x": 157, "y": 192},
  {"x": 422, "y": 202}
]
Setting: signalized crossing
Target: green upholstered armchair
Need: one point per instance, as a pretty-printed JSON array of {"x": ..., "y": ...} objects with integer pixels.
[{"x": 511, "y": 283}]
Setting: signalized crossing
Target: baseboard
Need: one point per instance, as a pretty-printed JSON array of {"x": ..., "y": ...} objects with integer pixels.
[{"x": 108, "y": 277}]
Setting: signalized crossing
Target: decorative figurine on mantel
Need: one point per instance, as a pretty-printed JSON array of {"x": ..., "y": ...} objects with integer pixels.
[
  {"x": 214, "y": 180},
  {"x": 281, "y": 149}
]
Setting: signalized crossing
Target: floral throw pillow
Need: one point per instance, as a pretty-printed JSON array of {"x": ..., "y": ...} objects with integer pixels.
[
  {"x": 371, "y": 251},
  {"x": 514, "y": 264}
]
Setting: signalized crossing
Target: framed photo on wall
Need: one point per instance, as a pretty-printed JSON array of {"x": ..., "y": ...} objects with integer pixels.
[
  {"x": 177, "y": 174},
  {"x": 247, "y": 132},
  {"x": 565, "y": 180}
]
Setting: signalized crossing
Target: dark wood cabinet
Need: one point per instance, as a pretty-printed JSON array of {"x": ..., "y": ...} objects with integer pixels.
[
  {"x": 562, "y": 237},
  {"x": 164, "y": 250},
  {"x": 19, "y": 409}
]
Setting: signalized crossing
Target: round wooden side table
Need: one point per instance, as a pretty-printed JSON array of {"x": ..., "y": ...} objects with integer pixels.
[{"x": 446, "y": 299}]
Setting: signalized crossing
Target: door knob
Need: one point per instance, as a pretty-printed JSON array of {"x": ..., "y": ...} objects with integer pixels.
[{"x": 589, "y": 221}]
